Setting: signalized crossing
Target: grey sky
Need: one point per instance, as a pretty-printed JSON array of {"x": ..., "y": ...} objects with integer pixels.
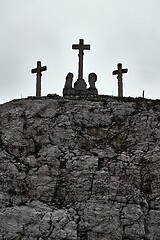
[{"x": 124, "y": 31}]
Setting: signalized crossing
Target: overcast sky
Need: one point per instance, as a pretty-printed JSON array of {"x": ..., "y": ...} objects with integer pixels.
[{"x": 125, "y": 31}]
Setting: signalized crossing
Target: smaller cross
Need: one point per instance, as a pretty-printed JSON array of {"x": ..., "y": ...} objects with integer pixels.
[
  {"x": 119, "y": 72},
  {"x": 38, "y": 71}
]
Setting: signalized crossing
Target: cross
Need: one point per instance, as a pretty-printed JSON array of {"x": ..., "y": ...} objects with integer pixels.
[
  {"x": 119, "y": 72},
  {"x": 81, "y": 47},
  {"x": 38, "y": 70}
]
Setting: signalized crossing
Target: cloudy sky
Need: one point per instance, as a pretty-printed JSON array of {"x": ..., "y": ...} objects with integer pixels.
[{"x": 125, "y": 31}]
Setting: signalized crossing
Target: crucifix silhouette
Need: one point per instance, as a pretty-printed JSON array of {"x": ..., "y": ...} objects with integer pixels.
[
  {"x": 119, "y": 72},
  {"x": 38, "y": 71},
  {"x": 80, "y": 84}
]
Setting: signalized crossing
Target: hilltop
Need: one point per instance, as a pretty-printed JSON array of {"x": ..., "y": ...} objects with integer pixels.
[{"x": 80, "y": 168}]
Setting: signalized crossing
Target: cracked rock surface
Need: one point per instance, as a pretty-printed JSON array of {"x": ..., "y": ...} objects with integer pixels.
[{"x": 80, "y": 170}]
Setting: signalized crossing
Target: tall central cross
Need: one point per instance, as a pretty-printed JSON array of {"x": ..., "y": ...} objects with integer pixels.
[
  {"x": 119, "y": 72},
  {"x": 39, "y": 71},
  {"x": 81, "y": 47}
]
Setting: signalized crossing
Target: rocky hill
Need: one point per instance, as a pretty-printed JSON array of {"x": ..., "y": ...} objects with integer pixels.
[{"x": 78, "y": 169}]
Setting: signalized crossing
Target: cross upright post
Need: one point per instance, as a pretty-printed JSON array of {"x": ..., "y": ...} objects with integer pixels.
[
  {"x": 38, "y": 72},
  {"x": 119, "y": 72},
  {"x": 81, "y": 46}
]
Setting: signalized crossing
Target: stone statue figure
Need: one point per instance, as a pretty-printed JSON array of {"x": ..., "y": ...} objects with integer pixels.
[
  {"x": 68, "y": 89},
  {"x": 92, "y": 78},
  {"x": 69, "y": 80},
  {"x": 80, "y": 84}
]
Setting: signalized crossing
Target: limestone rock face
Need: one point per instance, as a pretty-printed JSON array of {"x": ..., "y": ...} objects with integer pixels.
[{"x": 80, "y": 170}]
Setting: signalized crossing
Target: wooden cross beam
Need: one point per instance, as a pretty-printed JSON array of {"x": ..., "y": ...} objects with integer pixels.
[
  {"x": 81, "y": 47},
  {"x": 38, "y": 71},
  {"x": 119, "y": 72}
]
